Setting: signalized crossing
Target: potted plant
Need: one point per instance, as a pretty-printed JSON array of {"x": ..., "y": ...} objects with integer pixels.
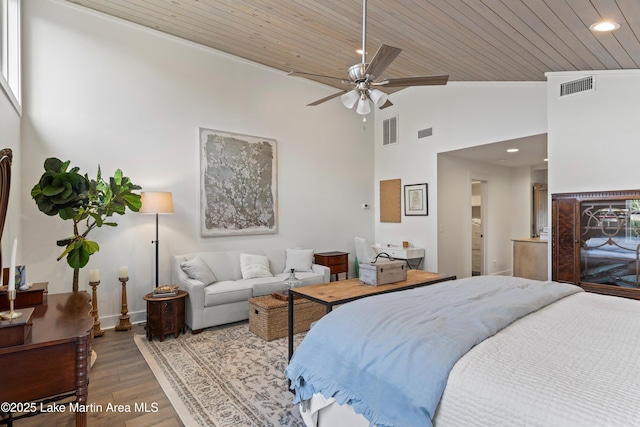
[{"x": 86, "y": 202}]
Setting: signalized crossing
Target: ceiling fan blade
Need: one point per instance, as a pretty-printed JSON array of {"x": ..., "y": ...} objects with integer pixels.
[
  {"x": 327, "y": 98},
  {"x": 414, "y": 81},
  {"x": 381, "y": 60},
  {"x": 386, "y": 104},
  {"x": 301, "y": 74}
]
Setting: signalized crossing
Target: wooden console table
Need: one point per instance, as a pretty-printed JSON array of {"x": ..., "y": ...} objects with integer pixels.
[
  {"x": 343, "y": 291},
  {"x": 415, "y": 255},
  {"x": 55, "y": 358}
]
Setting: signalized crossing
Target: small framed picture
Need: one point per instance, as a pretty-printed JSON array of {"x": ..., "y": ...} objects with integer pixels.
[{"x": 416, "y": 200}]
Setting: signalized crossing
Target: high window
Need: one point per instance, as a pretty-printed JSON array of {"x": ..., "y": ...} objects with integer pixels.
[{"x": 10, "y": 45}]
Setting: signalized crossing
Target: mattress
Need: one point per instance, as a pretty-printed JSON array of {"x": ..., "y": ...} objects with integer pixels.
[{"x": 575, "y": 362}]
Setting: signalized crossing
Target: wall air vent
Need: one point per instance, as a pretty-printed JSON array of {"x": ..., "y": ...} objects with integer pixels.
[
  {"x": 425, "y": 132},
  {"x": 390, "y": 131},
  {"x": 586, "y": 84}
]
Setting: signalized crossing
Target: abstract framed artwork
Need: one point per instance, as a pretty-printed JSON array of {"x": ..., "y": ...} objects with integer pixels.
[
  {"x": 416, "y": 200},
  {"x": 238, "y": 184}
]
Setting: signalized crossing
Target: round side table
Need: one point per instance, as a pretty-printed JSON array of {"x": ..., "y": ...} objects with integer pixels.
[{"x": 165, "y": 315}]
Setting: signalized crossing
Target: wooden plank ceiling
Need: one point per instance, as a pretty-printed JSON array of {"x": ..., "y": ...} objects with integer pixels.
[{"x": 471, "y": 40}]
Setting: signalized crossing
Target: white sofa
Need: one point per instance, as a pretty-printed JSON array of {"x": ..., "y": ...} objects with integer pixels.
[{"x": 219, "y": 294}]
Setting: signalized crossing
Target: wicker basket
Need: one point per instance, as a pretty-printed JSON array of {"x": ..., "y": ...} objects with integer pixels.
[{"x": 268, "y": 316}]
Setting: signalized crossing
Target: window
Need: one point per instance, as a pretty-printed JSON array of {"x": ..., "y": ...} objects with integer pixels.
[{"x": 10, "y": 45}]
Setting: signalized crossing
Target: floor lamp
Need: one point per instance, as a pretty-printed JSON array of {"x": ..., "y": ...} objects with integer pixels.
[{"x": 156, "y": 202}]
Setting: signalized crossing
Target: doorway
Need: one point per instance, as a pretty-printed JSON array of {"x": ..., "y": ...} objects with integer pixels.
[{"x": 478, "y": 200}]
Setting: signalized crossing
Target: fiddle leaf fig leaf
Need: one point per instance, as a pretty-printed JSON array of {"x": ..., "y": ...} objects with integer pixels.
[
  {"x": 67, "y": 213},
  {"x": 50, "y": 190},
  {"x": 64, "y": 242},
  {"x": 66, "y": 252},
  {"x": 117, "y": 177},
  {"x": 55, "y": 165},
  {"x": 133, "y": 201},
  {"x": 77, "y": 258},
  {"x": 90, "y": 246},
  {"x": 97, "y": 218}
]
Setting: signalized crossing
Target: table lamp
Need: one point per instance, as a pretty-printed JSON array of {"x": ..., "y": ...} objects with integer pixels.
[{"x": 156, "y": 202}]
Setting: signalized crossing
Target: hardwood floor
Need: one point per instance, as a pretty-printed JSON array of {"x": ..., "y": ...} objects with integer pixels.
[{"x": 120, "y": 376}]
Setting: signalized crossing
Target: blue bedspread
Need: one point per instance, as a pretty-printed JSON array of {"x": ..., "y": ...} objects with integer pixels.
[{"x": 389, "y": 356}]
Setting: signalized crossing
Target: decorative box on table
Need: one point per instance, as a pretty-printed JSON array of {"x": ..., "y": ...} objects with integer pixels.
[
  {"x": 383, "y": 273},
  {"x": 16, "y": 331},
  {"x": 35, "y": 295},
  {"x": 269, "y": 316}
]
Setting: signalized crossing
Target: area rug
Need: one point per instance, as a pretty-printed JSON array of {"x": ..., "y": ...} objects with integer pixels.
[{"x": 224, "y": 377}]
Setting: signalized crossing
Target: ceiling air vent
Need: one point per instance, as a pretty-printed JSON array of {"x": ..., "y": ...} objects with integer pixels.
[
  {"x": 586, "y": 84},
  {"x": 390, "y": 131},
  {"x": 423, "y": 133}
]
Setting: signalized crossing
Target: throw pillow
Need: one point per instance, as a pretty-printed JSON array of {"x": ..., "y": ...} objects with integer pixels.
[
  {"x": 196, "y": 269},
  {"x": 253, "y": 266},
  {"x": 299, "y": 260}
]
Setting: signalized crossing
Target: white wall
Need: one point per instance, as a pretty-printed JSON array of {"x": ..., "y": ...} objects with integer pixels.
[
  {"x": 594, "y": 136},
  {"x": 462, "y": 115},
  {"x": 98, "y": 90}
]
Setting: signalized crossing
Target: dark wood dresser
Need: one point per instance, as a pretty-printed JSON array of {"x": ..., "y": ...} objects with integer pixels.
[
  {"x": 55, "y": 357},
  {"x": 596, "y": 241},
  {"x": 338, "y": 262}
]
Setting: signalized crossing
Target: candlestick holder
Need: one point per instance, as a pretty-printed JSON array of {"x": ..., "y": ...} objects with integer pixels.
[
  {"x": 97, "y": 332},
  {"x": 125, "y": 324},
  {"x": 11, "y": 314}
]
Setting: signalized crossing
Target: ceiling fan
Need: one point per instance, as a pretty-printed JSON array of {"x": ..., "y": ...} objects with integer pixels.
[{"x": 363, "y": 77}]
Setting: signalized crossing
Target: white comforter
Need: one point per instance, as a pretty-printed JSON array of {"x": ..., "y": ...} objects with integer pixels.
[{"x": 573, "y": 363}]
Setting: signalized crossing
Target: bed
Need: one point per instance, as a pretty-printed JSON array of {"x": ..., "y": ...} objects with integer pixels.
[{"x": 480, "y": 351}]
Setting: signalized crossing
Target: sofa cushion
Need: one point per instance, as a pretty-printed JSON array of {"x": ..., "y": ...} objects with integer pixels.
[
  {"x": 222, "y": 264},
  {"x": 299, "y": 260},
  {"x": 225, "y": 292},
  {"x": 196, "y": 269},
  {"x": 253, "y": 266}
]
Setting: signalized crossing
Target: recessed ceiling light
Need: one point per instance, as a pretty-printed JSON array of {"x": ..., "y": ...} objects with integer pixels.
[
  {"x": 604, "y": 26},
  {"x": 512, "y": 150}
]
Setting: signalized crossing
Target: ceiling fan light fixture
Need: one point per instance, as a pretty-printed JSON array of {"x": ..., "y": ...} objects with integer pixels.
[
  {"x": 363, "y": 106},
  {"x": 350, "y": 98},
  {"x": 378, "y": 97}
]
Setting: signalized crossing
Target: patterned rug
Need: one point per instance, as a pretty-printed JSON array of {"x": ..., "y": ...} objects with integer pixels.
[{"x": 224, "y": 377}]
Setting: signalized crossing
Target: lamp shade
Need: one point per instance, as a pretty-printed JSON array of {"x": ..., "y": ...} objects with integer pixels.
[
  {"x": 156, "y": 202},
  {"x": 363, "y": 106},
  {"x": 378, "y": 97},
  {"x": 350, "y": 98}
]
